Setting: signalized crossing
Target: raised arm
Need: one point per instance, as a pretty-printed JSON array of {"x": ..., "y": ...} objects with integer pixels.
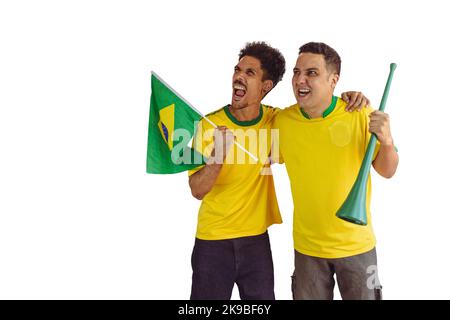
[
  {"x": 203, "y": 180},
  {"x": 386, "y": 161}
]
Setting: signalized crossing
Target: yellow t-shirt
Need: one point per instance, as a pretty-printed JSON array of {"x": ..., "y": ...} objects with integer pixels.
[
  {"x": 323, "y": 157},
  {"x": 242, "y": 201}
]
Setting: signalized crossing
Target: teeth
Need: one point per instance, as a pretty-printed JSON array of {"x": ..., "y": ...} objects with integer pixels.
[
  {"x": 239, "y": 87},
  {"x": 304, "y": 90}
]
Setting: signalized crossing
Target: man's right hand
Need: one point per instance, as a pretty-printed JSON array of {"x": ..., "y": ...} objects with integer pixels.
[
  {"x": 223, "y": 141},
  {"x": 203, "y": 180}
]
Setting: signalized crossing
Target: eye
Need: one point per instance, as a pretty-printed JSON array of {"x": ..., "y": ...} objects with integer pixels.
[
  {"x": 312, "y": 73},
  {"x": 250, "y": 73}
]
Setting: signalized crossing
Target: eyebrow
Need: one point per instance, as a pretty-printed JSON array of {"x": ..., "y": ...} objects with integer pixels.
[
  {"x": 248, "y": 69},
  {"x": 309, "y": 69}
]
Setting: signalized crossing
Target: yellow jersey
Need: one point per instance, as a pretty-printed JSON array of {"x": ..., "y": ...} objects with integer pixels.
[
  {"x": 322, "y": 157},
  {"x": 242, "y": 201}
]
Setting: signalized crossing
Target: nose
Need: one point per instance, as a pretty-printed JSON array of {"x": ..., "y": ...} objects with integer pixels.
[
  {"x": 239, "y": 76},
  {"x": 300, "y": 79}
]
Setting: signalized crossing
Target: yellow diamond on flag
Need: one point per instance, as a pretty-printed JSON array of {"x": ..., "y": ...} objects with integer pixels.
[{"x": 166, "y": 124}]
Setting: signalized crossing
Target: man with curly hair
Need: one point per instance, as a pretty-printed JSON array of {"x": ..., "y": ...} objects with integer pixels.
[{"x": 238, "y": 201}]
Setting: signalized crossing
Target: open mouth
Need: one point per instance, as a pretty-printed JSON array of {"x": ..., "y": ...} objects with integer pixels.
[
  {"x": 302, "y": 93},
  {"x": 239, "y": 91}
]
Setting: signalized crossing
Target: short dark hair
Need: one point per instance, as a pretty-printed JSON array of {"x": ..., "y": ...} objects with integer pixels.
[
  {"x": 330, "y": 55},
  {"x": 272, "y": 61}
]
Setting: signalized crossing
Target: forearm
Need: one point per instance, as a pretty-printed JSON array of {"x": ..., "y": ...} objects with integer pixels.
[
  {"x": 386, "y": 161},
  {"x": 203, "y": 180}
]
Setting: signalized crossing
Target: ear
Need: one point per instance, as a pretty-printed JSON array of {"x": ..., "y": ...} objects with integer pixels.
[
  {"x": 267, "y": 86},
  {"x": 334, "y": 78}
]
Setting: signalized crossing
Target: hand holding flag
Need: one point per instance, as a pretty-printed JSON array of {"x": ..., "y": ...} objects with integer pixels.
[{"x": 171, "y": 126}]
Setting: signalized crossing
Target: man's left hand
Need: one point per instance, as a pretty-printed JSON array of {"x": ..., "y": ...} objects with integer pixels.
[{"x": 380, "y": 126}]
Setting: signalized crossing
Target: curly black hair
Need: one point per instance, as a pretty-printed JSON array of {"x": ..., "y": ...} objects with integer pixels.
[
  {"x": 330, "y": 55},
  {"x": 272, "y": 61}
]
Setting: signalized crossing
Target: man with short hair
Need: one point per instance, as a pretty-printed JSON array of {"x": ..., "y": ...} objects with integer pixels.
[
  {"x": 238, "y": 201},
  {"x": 323, "y": 147}
]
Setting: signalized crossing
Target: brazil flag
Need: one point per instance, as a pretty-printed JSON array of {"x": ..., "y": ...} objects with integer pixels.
[{"x": 171, "y": 126}]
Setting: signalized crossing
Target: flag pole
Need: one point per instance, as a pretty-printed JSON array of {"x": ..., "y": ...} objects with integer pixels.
[{"x": 209, "y": 121}]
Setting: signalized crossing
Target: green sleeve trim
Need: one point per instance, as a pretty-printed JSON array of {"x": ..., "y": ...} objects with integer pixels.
[{"x": 244, "y": 123}]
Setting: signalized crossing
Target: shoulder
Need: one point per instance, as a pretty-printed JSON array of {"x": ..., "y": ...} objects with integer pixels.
[
  {"x": 269, "y": 112},
  {"x": 286, "y": 112},
  {"x": 270, "y": 109},
  {"x": 216, "y": 116},
  {"x": 361, "y": 114},
  {"x": 366, "y": 111},
  {"x": 220, "y": 110},
  {"x": 341, "y": 104}
]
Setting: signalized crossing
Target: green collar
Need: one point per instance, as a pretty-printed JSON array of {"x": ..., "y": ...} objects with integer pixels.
[
  {"x": 326, "y": 112},
  {"x": 244, "y": 123}
]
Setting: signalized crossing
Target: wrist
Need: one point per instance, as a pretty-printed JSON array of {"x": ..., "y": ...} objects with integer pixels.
[
  {"x": 213, "y": 163},
  {"x": 388, "y": 143}
]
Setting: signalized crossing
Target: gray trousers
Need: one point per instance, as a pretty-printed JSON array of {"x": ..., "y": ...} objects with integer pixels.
[{"x": 357, "y": 277}]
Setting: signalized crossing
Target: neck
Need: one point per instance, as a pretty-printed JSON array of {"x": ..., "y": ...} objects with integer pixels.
[
  {"x": 317, "y": 110},
  {"x": 247, "y": 113}
]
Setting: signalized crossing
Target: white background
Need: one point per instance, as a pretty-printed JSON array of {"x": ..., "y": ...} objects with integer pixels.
[{"x": 80, "y": 218}]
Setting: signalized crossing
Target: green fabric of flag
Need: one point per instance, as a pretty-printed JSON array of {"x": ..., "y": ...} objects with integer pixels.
[{"x": 172, "y": 124}]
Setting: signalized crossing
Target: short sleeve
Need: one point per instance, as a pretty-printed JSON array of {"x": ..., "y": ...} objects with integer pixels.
[
  {"x": 202, "y": 142},
  {"x": 275, "y": 148}
]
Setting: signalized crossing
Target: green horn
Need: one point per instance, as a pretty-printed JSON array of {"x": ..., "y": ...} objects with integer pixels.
[{"x": 354, "y": 208}]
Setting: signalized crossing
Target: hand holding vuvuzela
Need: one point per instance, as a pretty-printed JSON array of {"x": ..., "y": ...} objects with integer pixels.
[
  {"x": 379, "y": 125},
  {"x": 354, "y": 208}
]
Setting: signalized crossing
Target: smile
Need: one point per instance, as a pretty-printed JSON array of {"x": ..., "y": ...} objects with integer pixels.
[{"x": 303, "y": 92}]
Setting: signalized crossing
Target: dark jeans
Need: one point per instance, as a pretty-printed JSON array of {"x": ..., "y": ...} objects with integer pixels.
[{"x": 218, "y": 264}]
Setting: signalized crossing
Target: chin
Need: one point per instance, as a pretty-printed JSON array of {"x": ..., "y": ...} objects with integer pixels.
[
  {"x": 238, "y": 104},
  {"x": 300, "y": 102},
  {"x": 304, "y": 103}
]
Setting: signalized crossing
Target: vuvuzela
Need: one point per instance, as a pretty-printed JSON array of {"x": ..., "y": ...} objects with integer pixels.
[{"x": 354, "y": 208}]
